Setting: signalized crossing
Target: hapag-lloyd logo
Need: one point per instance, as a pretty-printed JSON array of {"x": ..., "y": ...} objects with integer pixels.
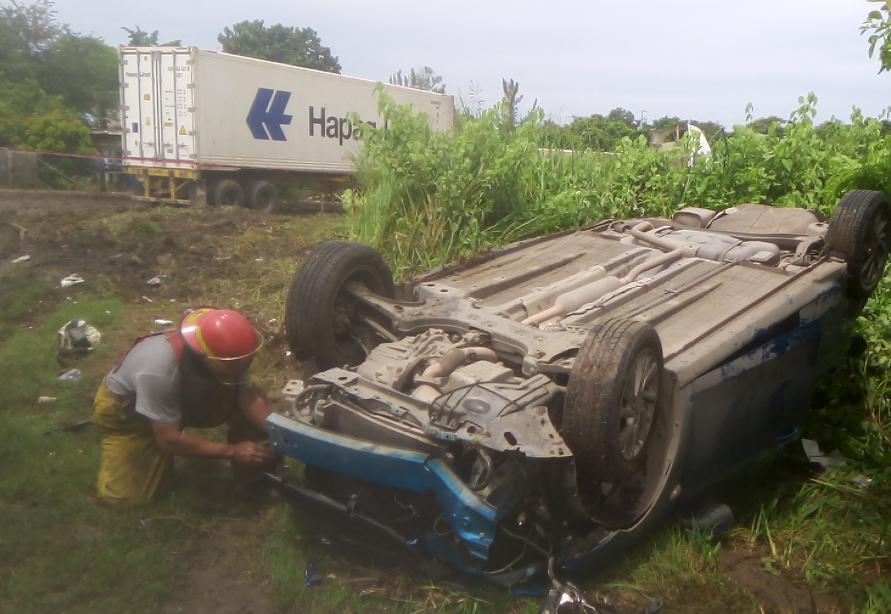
[{"x": 267, "y": 116}]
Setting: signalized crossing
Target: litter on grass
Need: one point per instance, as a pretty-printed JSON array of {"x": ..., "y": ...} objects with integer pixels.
[
  {"x": 312, "y": 575},
  {"x": 77, "y": 337},
  {"x": 832, "y": 460},
  {"x": 154, "y": 281},
  {"x": 71, "y": 280},
  {"x": 24, "y": 258},
  {"x": 816, "y": 456},
  {"x": 160, "y": 322},
  {"x": 72, "y": 375}
]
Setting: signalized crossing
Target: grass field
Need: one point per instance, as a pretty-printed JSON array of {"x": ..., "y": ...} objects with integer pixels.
[{"x": 802, "y": 539}]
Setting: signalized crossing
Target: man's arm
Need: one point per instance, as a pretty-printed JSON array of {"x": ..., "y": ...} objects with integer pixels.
[
  {"x": 172, "y": 440},
  {"x": 254, "y": 406}
]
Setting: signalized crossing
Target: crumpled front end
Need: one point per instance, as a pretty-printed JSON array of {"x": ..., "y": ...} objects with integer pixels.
[{"x": 434, "y": 439}]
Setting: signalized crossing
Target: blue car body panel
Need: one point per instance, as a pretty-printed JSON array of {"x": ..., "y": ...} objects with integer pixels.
[{"x": 474, "y": 520}]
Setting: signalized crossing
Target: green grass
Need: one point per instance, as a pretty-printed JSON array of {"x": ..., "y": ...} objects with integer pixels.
[
  {"x": 680, "y": 568},
  {"x": 61, "y": 551}
]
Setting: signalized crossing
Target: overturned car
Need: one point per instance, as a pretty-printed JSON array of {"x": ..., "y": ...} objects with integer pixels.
[{"x": 552, "y": 399}]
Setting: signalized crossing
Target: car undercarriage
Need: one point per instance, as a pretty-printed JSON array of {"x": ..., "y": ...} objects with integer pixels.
[{"x": 552, "y": 399}]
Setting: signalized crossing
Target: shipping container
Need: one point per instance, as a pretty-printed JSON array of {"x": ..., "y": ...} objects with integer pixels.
[{"x": 204, "y": 125}]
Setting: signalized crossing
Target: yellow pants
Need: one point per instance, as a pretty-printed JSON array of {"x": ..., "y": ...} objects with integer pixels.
[{"x": 132, "y": 467}]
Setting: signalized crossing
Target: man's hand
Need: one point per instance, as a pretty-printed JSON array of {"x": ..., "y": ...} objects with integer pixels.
[
  {"x": 172, "y": 440},
  {"x": 250, "y": 453}
]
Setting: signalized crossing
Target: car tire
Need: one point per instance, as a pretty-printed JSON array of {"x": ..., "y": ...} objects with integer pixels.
[
  {"x": 228, "y": 192},
  {"x": 860, "y": 233},
  {"x": 612, "y": 400},
  {"x": 319, "y": 320},
  {"x": 262, "y": 196}
]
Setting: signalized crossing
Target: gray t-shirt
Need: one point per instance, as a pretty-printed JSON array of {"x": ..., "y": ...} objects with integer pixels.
[{"x": 150, "y": 373}]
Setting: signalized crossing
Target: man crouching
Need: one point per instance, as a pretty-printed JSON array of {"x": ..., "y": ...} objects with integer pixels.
[{"x": 196, "y": 376}]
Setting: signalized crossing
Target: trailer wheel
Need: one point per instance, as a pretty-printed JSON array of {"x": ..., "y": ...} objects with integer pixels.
[
  {"x": 860, "y": 232},
  {"x": 228, "y": 192},
  {"x": 612, "y": 400},
  {"x": 262, "y": 195},
  {"x": 322, "y": 318}
]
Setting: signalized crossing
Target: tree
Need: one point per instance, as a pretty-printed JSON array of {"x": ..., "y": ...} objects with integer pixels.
[
  {"x": 141, "y": 38},
  {"x": 278, "y": 43},
  {"x": 82, "y": 70},
  {"x": 878, "y": 26},
  {"x": 603, "y": 133},
  {"x": 49, "y": 78},
  {"x": 26, "y": 31},
  {"x": 421, "y": 79}
]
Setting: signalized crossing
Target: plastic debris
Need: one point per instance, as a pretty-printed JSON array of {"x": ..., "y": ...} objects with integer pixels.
[
  {"x": 861, "y": 481},
  {"x": 72, "y": 375},
  {"x": 832, "y": 460},
  {"x": 160, "y": 322},
  {"x": 24, "y": 258},
  {"x": 77, "y": 337},
  {"x": 43, "y": 399},
  {"x": 815, "y": 455},
  {"x": 71, "y": 280},
  {"x": 312, "y": 575},
  {"x": 565, "y": 597},
  {"x": 146, "y": 299},
  {"x": 154, "y": 281}
]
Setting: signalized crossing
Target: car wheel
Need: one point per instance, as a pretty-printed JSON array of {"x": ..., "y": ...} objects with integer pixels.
[
  {"x": 612, "y": 400},
  {"x": 227, "y": 192},
  {"x": 322, "y": 319},
  {"x": 262, "y": 196},
  {"x": 860, "y": 232}
]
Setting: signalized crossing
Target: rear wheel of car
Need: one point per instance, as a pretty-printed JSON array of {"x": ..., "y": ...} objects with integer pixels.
[
  {"x": 612, "y": 401},
  {"x": 228, "y": 192},
  {"x": 860, "y": 232},
  {"x": 322, "y": 319},
  {"x": 262, "y": 195}
]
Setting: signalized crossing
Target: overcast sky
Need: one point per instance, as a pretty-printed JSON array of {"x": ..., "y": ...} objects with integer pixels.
[{"x": 703, "y": 59}]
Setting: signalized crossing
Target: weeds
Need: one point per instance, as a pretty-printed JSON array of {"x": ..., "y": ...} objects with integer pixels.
[{"x": 427, "y": 198}]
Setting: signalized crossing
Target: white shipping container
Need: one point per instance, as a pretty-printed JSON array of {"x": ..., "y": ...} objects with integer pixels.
[{"x": 186, "y": 108}]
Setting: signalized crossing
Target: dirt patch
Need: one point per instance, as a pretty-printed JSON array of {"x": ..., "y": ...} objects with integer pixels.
[
  {"x": 775, "y": 592},
  {"x": 222, "y": 576}
]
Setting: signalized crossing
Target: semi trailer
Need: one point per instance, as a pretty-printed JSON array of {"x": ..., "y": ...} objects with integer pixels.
[{"x": 206, "y": 127}]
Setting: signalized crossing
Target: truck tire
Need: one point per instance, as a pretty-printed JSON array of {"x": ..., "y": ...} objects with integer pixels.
[
  {"x": 262, "y": 195},
  {"x": 612, "y": 401},
  {"x": 860, "y": 233},
  {"x": 228, "y": 192},
  {"x": 321, "y": 320}
]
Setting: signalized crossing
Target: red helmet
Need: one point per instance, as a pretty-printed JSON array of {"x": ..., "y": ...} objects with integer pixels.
[{"x": 220, "y": 334}]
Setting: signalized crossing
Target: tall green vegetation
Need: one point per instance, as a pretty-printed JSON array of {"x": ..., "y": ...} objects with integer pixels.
[{"x": 427, "y": 198}]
